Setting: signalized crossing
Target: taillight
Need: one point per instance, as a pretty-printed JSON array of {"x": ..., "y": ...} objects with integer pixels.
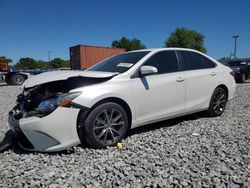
[{"x": 232, "y": 73}]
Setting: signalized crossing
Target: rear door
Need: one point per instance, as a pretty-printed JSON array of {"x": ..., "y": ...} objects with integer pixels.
[{"x": 201, "y": 79}]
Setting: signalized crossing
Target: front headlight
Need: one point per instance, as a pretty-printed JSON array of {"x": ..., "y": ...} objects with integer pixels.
[{"x": 50, "y": 105}]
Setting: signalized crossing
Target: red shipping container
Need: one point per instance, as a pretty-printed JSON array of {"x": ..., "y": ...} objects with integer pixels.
[
  {"x": 3, "y": 65},
  {"x": 83, "y": 56}
]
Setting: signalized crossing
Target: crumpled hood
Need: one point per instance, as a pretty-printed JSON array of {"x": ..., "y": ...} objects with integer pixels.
[{"x": 63, "y": 75}]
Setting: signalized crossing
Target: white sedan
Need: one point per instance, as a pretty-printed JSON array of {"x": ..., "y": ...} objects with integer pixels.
[{"x": 61, "y": 109}]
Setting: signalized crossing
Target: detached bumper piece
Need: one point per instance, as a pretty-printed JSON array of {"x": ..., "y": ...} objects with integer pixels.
[
  {"x": 7, "y": 142},
  {"x": 4, "y": 145},
  {"x": 15, "y": 127}
]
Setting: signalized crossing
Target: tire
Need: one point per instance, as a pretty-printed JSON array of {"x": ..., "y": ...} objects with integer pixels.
[
  {"x": 106, "y": 125},
  {"x": 218, "y": 102},
  {"x": 17, "y": 79},
  {"x": 243, "y": 78}
]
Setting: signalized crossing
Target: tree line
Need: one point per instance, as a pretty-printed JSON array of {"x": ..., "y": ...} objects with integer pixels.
[
  {"x": 30, "y": 63},
  {"x": 181, "y": 37}
]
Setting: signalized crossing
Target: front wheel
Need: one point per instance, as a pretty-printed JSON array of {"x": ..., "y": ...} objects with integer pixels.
[
  {"x": 106, "y": 125},
  {"x": 218, "y": 102}
]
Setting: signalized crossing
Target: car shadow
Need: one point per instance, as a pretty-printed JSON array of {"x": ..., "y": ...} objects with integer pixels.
[
  {"x": 9, "y": 136},
  {"x": 166, "y": 123}
]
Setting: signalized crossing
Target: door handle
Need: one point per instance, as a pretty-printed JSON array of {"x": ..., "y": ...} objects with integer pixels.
[
  {"x": 213, "y": 73},
  {"x": 180, "y": 79}
]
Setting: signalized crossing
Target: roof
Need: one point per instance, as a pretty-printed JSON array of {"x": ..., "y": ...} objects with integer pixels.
[{"x": 171, "y": 48}]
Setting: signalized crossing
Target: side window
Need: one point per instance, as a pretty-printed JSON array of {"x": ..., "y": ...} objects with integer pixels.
[
  {"x": 208, "y": 63},
  {"x": 165, "y": 62},
  {"x": 191, "y": 60}
]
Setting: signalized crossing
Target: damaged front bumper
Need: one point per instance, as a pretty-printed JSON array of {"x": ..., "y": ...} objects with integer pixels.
[
  {"x": 46, "y": 117},
  {"x": 54, "y": 132}
]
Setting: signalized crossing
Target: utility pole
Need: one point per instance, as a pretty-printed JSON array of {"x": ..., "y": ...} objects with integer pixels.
[
  {"x": 235, "y": 44},
  {"x": 49, "y": 55},
  {"x": 231, "y": 55}
]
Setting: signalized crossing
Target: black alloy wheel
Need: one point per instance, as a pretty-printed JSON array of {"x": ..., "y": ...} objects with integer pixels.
[{"x": 218, "y": 102}]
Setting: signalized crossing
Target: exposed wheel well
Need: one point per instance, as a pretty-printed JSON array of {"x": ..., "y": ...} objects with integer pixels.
[{"x": 224, "y": 87}]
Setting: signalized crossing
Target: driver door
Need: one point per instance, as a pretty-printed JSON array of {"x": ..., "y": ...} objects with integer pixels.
[{"x": 160, "y": 95}]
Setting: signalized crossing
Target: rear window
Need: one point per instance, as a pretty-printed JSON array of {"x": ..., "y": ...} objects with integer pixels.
[
  {"x": 207, "y": 62},
  {"x": 191, "y": 60}
]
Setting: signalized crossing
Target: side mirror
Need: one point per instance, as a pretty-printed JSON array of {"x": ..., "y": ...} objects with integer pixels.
[{"x": 147, "y": 70}]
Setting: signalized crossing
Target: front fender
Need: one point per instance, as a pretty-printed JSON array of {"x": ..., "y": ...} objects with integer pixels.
[{"x": 95, "y": 93}]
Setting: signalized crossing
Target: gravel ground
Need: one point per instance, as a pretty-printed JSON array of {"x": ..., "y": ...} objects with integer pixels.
[{"x": 193, "y": 151}]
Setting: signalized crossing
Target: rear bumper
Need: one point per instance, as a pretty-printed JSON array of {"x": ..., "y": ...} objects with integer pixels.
[{"x": 55, "y": 132}]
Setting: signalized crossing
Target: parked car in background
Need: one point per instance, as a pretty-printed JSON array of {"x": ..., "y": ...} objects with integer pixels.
[
  {"x": 61, "y": 109},
  {"x": 241, "y": 69}
]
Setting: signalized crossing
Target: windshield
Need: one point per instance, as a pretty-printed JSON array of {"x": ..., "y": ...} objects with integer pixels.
[{"x": 119, "y": 63}]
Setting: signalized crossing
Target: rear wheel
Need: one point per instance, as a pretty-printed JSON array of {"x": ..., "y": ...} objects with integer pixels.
[
  {"x": 106, "y": 125},
  {"x": 218, "y": 102}
]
